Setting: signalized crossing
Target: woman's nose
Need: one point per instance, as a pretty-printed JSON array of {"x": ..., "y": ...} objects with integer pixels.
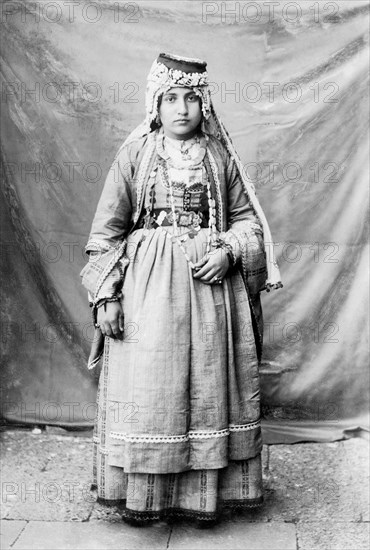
[{"x": 182, "y": 107}]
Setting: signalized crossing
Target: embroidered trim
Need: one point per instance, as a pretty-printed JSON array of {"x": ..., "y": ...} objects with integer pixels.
[
  {"x": 153, "y": 438},
  {"x": 147, "y": 516},
  {"x": 120, "y": 251},
  {"x": 213, "y": 165},
  {"x": 236, "y": 504},
  {"x": 161, "y": 74},
  {"x": 143, "y": 170},
  {"x": 243, "y": 253},
  {"x": 168, "y": 513}
]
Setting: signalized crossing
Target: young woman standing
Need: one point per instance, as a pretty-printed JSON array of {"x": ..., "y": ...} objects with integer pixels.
[{"x": 179, "y": 251}]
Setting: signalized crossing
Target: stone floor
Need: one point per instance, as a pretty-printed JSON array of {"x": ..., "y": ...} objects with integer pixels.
[{"x": 316, "y": 498}]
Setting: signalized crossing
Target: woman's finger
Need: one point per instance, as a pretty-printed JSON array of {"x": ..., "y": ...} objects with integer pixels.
[
  {"x": 108, "y": 330},
  {"x": 203, "y": 271},
  {"x": 116, "y": 331},
  {"x": 121, "y": 321},
  {"x": 201, "y": 262},
  {"x": 209, "y": 275},
  {"x": 213, "y": 281}
]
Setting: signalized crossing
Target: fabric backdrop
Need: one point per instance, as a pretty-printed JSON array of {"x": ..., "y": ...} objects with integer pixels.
[{"x": 290, "y": 81}]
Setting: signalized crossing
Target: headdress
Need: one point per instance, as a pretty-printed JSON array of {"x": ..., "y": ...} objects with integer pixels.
[{"x": 172, "y": 71}]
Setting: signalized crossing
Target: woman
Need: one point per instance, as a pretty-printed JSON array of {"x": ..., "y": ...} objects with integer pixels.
[{"x": 177, "y": 260}]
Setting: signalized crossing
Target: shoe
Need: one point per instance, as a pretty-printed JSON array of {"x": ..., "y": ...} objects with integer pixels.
[
  {"x": 207, "y": 523},
  {"x": 138, "y": 522}
]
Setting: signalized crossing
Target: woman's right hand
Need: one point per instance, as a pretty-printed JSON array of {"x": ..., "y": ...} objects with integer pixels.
[{"x": 110, "y": 318}]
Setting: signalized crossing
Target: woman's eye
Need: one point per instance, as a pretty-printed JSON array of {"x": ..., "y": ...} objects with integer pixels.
[
  {"x": 169, "y": 99},
  {"x": 192, "y": 98}
]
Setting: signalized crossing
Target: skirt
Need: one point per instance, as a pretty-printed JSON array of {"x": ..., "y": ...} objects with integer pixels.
[{"x": 177, "y": 431}]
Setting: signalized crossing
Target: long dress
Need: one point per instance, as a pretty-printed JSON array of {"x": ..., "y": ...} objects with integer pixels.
[{"x": 178, "y": 425}]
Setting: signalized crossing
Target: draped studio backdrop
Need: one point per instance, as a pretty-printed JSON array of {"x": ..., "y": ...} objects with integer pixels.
[{"x": 289, "y": 79}]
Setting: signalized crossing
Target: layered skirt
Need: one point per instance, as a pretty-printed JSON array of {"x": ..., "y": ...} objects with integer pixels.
[{"x": 177, "y": 432}]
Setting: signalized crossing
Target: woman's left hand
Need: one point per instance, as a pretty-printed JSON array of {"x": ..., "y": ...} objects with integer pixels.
[{"x": 212, "y": 267}]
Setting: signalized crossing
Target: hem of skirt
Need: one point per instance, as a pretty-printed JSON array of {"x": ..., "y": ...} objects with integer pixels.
[
  {"x": 148, "y": 516},
  {"x": 111, "y": 502},
  {"x": 168, "y": 513},
  {"x": 242, "y": 504}
]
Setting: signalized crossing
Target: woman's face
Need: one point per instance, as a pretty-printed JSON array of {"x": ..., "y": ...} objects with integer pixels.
[{"x": 180, "y": 113}]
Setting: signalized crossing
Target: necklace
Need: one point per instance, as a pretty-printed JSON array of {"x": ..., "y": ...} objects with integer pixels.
[
  {"x": 211, "y": 237},
  {"x": 181, "y": 149},
  {"x": 185, "y": 147}
]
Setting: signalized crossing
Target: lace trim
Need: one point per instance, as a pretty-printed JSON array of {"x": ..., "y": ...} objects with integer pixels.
[
  {"x": 244, "y": 427},
  {"x": 153, "y": 438},
  {"x": 150, "y": 438},
  {"x": 208, "y": 435}
]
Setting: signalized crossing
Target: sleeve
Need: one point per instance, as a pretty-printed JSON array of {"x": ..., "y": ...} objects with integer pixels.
[
  {"x": 114, "y": 210},
  {"x": 103, "y": 274},
  {"x": 244, "y": 236}
]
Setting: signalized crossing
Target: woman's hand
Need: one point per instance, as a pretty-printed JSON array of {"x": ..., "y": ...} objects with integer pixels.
[
  {"x": 110, "y": 318},
  {"x": 212, "y": 267}
]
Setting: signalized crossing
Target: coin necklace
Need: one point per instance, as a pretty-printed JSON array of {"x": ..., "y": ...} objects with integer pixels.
[{"x": 211, "y": 237}]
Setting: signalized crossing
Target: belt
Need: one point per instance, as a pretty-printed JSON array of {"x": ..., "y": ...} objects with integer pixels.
[{"x": 159, "y": 217}]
